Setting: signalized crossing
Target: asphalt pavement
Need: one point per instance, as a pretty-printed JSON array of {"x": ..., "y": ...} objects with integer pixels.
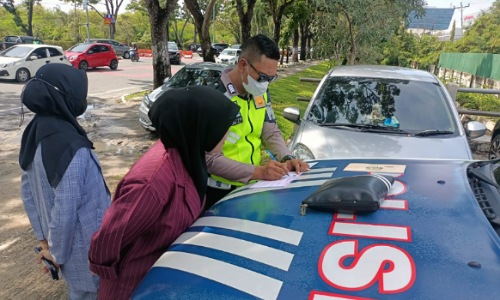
[{"x": 129, "y": 78}]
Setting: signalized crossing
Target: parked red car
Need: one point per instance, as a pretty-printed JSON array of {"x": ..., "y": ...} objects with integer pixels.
[{"x": 92, "y": 55}]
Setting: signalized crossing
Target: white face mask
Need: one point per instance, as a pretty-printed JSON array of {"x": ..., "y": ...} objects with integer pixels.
[{"x": 253, "y": 86}]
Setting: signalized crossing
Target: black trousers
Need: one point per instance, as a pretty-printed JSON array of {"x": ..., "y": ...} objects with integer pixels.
[{"x": 214, "y": 195}]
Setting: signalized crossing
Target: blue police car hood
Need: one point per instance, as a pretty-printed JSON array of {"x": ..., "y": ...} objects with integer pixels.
[{"x": 429, "y": 240}]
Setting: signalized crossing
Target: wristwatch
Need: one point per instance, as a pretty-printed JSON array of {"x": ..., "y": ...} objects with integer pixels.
[{"x": 287, "y": 157}]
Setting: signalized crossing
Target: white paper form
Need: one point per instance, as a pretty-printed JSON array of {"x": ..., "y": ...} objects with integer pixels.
[{"x": 284, "y": 181}]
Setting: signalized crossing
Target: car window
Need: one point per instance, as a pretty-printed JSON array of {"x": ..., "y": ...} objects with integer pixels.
[
  {"x": 103, "y": 48},
  {"x": 94, "y": 49},
  {"x": 230, "y": 52},
  {"x": 53, "y": 52},
  {"x": 79, "y": 48},
  {"x": 11, "y": 39},
  {"x": 40, "y": 52},
  {"x": 412, "y": 106},
  {"x": 193, "y": 76}
]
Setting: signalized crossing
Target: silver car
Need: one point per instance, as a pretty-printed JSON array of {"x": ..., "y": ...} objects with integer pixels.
[
  {"x": 202, "y": 73},
  {"x": 381, "y": 112},
  {"x": 120, "y": 49}
]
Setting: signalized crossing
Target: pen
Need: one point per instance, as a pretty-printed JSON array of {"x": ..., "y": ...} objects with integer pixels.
[
  {"x": 273, "y": 158},
  {"x": 271, "y": 155}
]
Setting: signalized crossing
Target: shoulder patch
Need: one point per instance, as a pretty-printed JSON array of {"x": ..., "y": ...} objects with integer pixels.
[{"x": 231, "y": 89}]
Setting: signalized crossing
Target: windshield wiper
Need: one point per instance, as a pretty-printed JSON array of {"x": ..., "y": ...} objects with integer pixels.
[
  {"x": 433, "y": 132},
  {"x": 366, "y": 127}
]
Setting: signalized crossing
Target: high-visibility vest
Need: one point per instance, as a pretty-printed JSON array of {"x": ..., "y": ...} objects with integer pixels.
[{"x": 244, "y": 139}]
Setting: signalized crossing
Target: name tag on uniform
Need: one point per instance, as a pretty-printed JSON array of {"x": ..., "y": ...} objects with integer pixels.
[{"x": 259, "y": 101}]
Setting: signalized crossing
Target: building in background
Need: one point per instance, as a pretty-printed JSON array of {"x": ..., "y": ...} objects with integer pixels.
[{"x": 439, "y": 22}]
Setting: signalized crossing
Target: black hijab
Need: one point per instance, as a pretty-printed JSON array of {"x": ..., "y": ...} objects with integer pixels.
[
  {"x": 193, "y": 120},
  {"x": 57, "y": 95}
]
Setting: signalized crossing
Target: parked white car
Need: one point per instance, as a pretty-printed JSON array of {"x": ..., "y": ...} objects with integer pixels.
[
  {"x": 381, "y": 112},
  {"x": 20, "y": 62},
  {"x": 228, "y": 56}
]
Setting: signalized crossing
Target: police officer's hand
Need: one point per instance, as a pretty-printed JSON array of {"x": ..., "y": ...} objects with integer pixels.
[
  {"x": 297, "y": 165},
  {"x": 272, "y": 171}
]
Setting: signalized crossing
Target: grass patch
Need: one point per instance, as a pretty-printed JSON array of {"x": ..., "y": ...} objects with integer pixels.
[
  {"x": 137, "y": 95},
  {"x": 284, "y": 93}
]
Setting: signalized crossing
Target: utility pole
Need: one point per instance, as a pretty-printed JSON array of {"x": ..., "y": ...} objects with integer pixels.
[
  {"x": 461, "y": 7},
  {"x": 86, "y": 6}
]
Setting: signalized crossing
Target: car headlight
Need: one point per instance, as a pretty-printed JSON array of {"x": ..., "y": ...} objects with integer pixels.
[
  {"x": 302, "y": 152},
  {"x": 7, "y": 65},
  {"x": 147, "y": 102},
  {"x": 72, "y": 58}
]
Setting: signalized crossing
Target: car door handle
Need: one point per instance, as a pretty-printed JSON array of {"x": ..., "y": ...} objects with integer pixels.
[{"x": 47, "y": 61}]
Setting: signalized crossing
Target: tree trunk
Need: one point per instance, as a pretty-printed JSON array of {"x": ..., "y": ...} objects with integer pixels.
[
  {"x": 202, "y": 24},
  {"x": 303, "y": 40},
  {"x": 295, "y": 42},
  {"x": 277, "y": 31},
  {"x": 30, "y": 18},
  {"x": 158, "y": 19},
  {"x": 112, "y": 30},
  {"x": 245, "y": 18}
]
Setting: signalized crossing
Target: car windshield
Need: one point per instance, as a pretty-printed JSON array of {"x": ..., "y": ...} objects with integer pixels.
[
  {"x": 229, "y": 52},
  {"x": 172, "y": 46},
  {"x": 16, "y": 51},
  {"x": 195, "y": 76},
  {"x": 79, "y": 48},
  {"x": 412, "y": 106},
  {"x": 11, "y": 38}
]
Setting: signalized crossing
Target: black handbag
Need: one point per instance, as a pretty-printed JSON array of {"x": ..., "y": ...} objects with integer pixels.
[{"x": 362, "y": 193}]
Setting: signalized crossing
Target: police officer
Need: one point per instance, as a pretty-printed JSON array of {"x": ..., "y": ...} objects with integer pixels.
[{"x": 240, "y": 160}]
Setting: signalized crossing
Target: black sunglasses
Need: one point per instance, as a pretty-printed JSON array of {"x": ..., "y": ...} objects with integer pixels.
[{"x": 263, "y": 77}]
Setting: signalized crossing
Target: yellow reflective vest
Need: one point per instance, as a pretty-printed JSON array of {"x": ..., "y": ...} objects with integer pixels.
[{"x": 244, "y": 138}]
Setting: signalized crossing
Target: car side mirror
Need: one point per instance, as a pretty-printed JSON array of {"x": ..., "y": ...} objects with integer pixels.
[
  {"x": 33, "y": 57},
  {"x": 474, "y": 129},
  {"x": 292, "y": 114},
  {"x": 166, "y": 80},
  {"x": 90, "y": 52}
]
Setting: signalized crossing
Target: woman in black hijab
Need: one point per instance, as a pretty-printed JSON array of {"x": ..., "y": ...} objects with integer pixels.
[
  {"x": 164, "y": 192},
  {"x": 63, "y": 190}
]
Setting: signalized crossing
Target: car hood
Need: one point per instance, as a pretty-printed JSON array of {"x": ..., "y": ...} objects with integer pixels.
[
  {"x": 328, "y": 142},
  {"x": 158, "y": 92},
  {"x": 429, "y": 240},
  {"x": 6, "y": 60},
  {"x": 69, "y": 53}
]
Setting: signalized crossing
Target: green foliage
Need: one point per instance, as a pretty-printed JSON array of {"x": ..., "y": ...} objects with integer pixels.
[
  {"x": 357, "y": 29},
  {"x": 483, "y": 36},
  {"x": 284, "y": 93},
  {"x": 482, "y": 102}
]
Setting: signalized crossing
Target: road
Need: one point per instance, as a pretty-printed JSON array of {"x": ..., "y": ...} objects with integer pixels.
[
  {"x": 130, "y": 77},
  {"x": 119, "y": 140}
]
